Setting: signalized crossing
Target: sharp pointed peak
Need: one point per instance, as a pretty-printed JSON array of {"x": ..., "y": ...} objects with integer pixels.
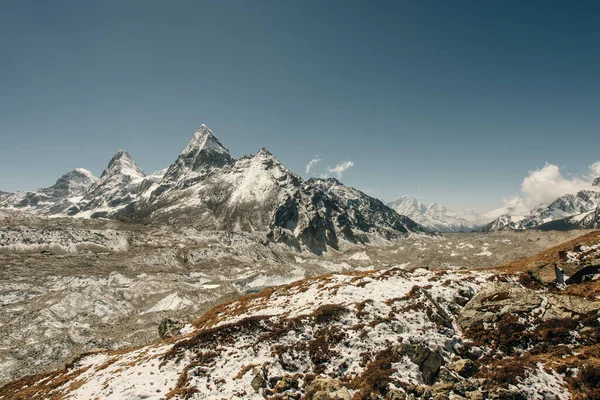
[
  {"x": 205, "y": 139},
  {"x": 122, "y": 152},
  {"x": 120, "y": 155},
  {"x": 122, "y": 163},
  {"x": 264, "y": 152}
]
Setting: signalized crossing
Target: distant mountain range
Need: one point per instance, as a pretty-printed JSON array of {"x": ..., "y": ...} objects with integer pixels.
[
  {"x": 437, "y": 217},
  {"x": 571, "y": 211},
  {"x": 207, "y": 188}
]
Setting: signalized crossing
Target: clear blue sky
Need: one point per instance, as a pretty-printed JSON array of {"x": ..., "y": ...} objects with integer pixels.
[{"x": 453, "y": 101}]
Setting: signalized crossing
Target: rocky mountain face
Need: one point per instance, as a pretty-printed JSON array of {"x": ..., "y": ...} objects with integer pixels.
[
  {"x": 437, "y": 217},
  {"x": 565, "y": 213},
  {"x": 504, "y": 222},
  {"x": 202, "y": 152},
  {"x": 387, "y": 334},
  {"x": 596, "y": 182},
  {"x": 118, "y": 185},
  {"x": 206, "y": 188}
]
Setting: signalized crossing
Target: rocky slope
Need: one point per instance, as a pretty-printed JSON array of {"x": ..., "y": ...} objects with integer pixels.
[
  {"x": 437, "y": 217},
  {"x": 206, "y": 188},
  {"x": 388, "y": 334},
  {"x": 118, "y": 186}
]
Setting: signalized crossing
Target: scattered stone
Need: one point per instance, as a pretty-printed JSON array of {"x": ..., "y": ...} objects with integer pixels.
[
  {"x": 475, "y": 395},
  {"x": 396, "y": 394},
  {"x": 258, "y": 382},
  {"x": 462, "y": 367},
  {"x": 429, "y": 362},
  {"x": 288, "y": 382},
  {"x": 447, "y": 376},
  {"x": 499, "y": 298},
  {"x": 169, "y": 328},
  {"x": 327, "y": 389}
]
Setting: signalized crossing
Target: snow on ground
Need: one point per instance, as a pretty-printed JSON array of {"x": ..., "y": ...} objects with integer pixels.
[
  {"x": 171, "y": 302},
  {"x": 360, "y": 256},
  {"x": 374, "y": 315},
  {"x": 583, "y": 253},
  {"x": 542, "y": 385}
]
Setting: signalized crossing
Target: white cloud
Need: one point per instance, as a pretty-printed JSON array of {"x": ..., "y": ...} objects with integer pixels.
[
  {"x": 546, "y": 184},
  {"x": 595, "y": 169},
  {"x": 340, "y": 168},
  {"x": 312, "y": 163},
  {"x": 542, "y": 186}
]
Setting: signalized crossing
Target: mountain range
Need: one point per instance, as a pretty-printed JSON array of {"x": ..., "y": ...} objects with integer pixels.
[
  {"x": 207, "y": 188},
  {"x": 580, "y": 210},
  {"x": 571, "y": 211},
  {"x": 437, "y": 217}
]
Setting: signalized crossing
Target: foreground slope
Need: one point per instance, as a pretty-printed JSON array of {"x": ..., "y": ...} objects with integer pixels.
[
  {"x": 71, "y": 285},
  {"x": 376, "y": 334}
]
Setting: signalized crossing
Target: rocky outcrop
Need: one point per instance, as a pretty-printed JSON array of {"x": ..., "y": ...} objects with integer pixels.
[
  {"x": 117, "y": 187},
  {"x": 169, "y": 328},
  {"x": 428, "y": 361},
  {"x": 503, "y": 298}
]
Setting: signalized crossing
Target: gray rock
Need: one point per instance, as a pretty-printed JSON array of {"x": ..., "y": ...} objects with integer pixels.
[
  {"x": 462, "y": 367},
  {"x": 169, "y": 328},
  {"x": 500, "y": 298},
  {"x": 258, "y": 382},
  {"x": 429, "y": 362}
]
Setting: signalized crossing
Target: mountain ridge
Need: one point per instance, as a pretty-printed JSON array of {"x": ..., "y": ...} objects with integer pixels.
[
  {"x": 436, "y": 216},
  {"x": 206, "y": 188},
  {"x": 563, "y": 213}
]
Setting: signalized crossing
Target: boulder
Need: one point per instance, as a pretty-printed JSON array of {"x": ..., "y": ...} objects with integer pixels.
[
  {"x": 499, "y": 298},
  {"x": 258, "y": 382},
  {"x": 429, "y": 362},
  {"x": 462, "y": 367}
]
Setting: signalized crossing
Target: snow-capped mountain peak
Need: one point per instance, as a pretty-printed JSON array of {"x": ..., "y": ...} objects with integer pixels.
[
  {"x": 122, "y": 163},
  {"x": 203, "y": 151},
  {"x": 596, "y": 182},
  {"x": 206, "y": 188},
  {"x": 436, "y": 216},
  {"x": 73, "y": 183},
  {"x": 204, "y": 139}
]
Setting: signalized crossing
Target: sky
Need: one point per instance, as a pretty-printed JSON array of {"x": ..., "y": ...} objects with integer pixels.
[{"x": 458, "y": 102}]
